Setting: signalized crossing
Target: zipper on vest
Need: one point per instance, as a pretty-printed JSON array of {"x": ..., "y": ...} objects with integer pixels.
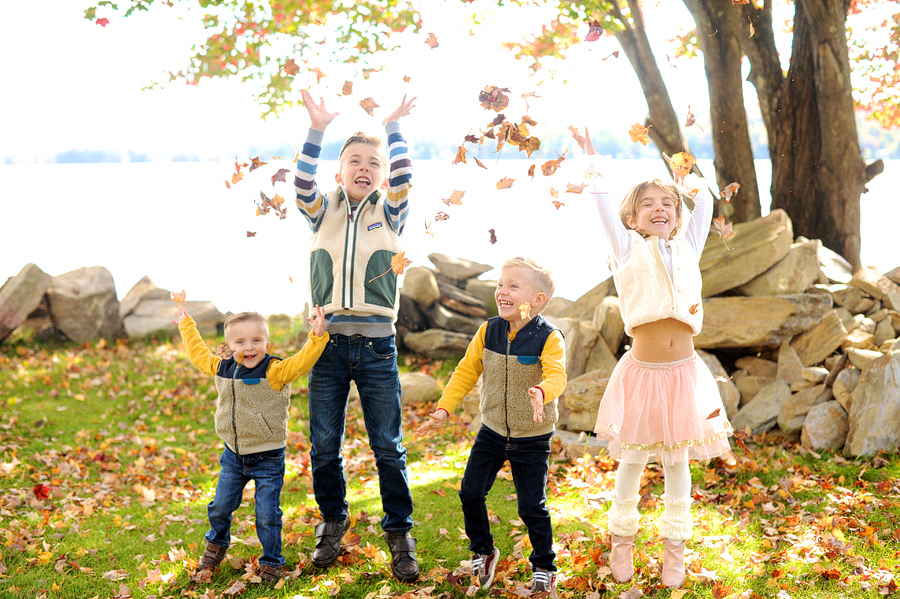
[
  {"x": 237, "y": 447},
  {"x": 347, "y": 255},
  {"x": 506, "y": 388}
]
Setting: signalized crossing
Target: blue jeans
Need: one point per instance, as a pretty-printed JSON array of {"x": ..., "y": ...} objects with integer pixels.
[
  {"x": 372, "y": 363},
  {"x": 529, "y": 461},
  {"x": 267, "y": 469}
]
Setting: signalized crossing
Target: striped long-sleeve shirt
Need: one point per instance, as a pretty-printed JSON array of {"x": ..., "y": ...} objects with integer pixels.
[{"x": 311, "y": 201}]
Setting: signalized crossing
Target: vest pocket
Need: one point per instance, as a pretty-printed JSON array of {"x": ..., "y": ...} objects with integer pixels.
[
  {"x": 381, "y": 291},
  {"x": 321, "y": 277}
]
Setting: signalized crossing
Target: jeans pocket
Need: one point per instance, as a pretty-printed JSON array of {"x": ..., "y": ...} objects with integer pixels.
[
  {"x": 382, "y": 348},
  {"x": 330, "y": 345}
]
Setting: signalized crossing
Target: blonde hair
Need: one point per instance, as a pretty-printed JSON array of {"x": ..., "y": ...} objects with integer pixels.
[
  {"x": 360, "y": 137},
  {"x": 246, "y": 317},
  {"x": 540, "y": 277},
  {"x": 631, "y": 200}
]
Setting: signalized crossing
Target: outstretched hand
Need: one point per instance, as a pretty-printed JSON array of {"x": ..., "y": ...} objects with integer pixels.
[
  {"x": 536, "y": 397},
  {"x": 180, "y": 315},
  {"x": 404, "y": 109},
  {"x": 434, "y": 423},
  {"x": 318, "y": 323},
  {"x": 584, "y": 141},
  {"x": 319, "y": 118}
]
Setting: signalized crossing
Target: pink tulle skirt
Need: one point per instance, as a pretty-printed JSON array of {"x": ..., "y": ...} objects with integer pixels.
[{"x": 672, "y": 411}]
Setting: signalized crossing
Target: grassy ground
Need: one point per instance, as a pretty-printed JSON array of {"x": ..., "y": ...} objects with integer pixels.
[{"x": 108, "y": 458}]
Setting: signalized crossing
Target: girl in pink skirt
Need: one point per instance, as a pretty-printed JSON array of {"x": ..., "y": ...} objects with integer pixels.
[{"x": 661, "y": 398}]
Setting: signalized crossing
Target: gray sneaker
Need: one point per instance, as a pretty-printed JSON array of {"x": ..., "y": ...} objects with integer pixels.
[
  {"x": 484, "y": 566},
  {"x": 543, "y": 581}
]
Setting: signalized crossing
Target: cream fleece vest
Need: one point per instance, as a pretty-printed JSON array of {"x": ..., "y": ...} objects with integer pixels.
[
  {"x": 251, "y": 416},
  {"x": 646, "y": 291},
  {"x": 349, "y": 258}
]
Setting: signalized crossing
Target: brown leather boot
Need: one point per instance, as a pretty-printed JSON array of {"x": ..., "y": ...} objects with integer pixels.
[
  {"x": 621, "y": 558},
  {"x": 673, "y": 564},
  {"x": 212, "y": 557}
]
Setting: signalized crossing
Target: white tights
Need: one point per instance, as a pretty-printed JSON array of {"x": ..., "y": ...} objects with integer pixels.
[{"x": 676, "y": 521}]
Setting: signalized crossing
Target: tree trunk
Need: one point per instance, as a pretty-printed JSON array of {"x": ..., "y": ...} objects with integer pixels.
[{"x": 719, "y": 30}]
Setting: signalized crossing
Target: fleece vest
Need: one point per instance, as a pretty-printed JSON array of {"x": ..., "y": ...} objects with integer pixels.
[
  {"x": 250, "y": 415},
  {"x": 510, "y": 369},
  {"x": 646, "y": 291},
  {"x": 350, "y": 258}
]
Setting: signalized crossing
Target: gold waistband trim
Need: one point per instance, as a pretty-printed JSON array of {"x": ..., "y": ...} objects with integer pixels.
[{"x": 669, "y": 448}]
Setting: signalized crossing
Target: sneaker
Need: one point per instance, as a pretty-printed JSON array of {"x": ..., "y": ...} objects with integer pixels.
[
  {"x": 212, "y": 557},
  {"x": 328, "y": 542},
  {"x": 269, "y": 574},
  {"x": 404, "y": 565},
  {"x": 543, "y": 581},
  {"x": 484, "y": 567}
]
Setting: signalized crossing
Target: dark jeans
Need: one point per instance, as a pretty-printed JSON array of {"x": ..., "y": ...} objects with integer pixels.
[
  {"x": 267, "y": 469},
  {"x": 372, "y": 363},
  {"x": 529, "y": 461}
]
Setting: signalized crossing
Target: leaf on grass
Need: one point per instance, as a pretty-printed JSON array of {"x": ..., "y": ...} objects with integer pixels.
[
  {"x": 730, "y": 190},
  {"x": 549, "y": 167},
  {"x": 681, "y": 164},
  {"x": 493, "y": 236},
  {"x": 638, "y": 133},
  {"x": 369, "y": 106},
  {"x": 691, "y": 120},
  {"x": 480, "y": 163},
  {"x": 290, "y": 67},
  {"x": 575, "y": 188},
  {"x": 720, "y": 591},
  {"x": 348, "y": 88},
  {"x": 594, "y": 32},
  {"x": 693, "y": 309},
  {"x": 505, "y": 183},
  {"x": 280, "y": 176},
  {"x": 237, "y": 587},
  {"x": 455, "y": 198},
  {"x": 251, "y": 233},
  {"x": 41, "y": 491},
  {"x": 256, "y": 164},
  {"x": 179, "y": 297},
  {"x": 493, "y": 98},
  {"x": 460, "y": 155},
  {"x": 714, "y": 413},
  {"x": 557, "y": 204},
  {"x": 113, "y": 575},
  {"x": 432, "y": 41}
]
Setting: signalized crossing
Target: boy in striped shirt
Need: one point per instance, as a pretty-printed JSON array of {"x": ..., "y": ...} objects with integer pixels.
[{"x": 356, "y": 231}]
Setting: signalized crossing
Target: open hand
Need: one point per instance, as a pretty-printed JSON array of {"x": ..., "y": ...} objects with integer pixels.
[
  {"x": 319, "y": 118},
  {"x": 404, "y": 109},
  {"x": 180, "y": 315},
  {"x": 536, "y": 397},
  {"x": 318, "y": 323},
  {"x": 584, "y": 141},
  {"x": 434, "y": 423}
]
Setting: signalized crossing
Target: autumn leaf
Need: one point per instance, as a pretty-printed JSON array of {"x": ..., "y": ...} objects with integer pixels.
[
  {"x": 681, "y": 164},
  {"x": 570, "y": 188},
  {"x": 739, "y": 438},
  {"x": 237, "y": 588},
  {"x": 369, "y": 106},
  {"x": 505, "y": 183},
  {"x": 41, "y": 491},
  {"x": 530, "y": 145},
  {"x": 691, "y": 120},
  {"x": 531, "y": 171},
  {"x": 498, "y": 120},
  {"x": 714, "y": 413},
  {"x": 557, "y": 204},
  {"x": 725, "y": 230},
  {"x": 276, "y": 203},
  {"x": 236, "y": 177},
  {"x": 493, "y": 98},
  {"x": 475, "y": 140},
  {"x": 525, "y": 310},
  {"x": 455, "y": 198},
  {"x": 399, "y": 262},
  {"x": 554, "y": 193},
  {"x": 280, "y": 176},
  {"x": 639, "y": 133},
  {"x": 441, "y": 216},
  {"x": 102, "y": 22},
  {"x": 223, "y": 351},
  {"x": 251, "y": 233},
  {"x": 615, "y": 54},
  {"x": 227, "y": 183},
  {"x": 529, "y": 95},
  {"x": 480, "y": 163},
  {"x": 594, "y": 32},
  {"x": 493, "y": 236},
  {"x": 432, "y": 41},
  {"x": 549, "y": 167},
  {"x": 256, "y": 164},
  {"x": 290, "y": 67},
  {"x": 428, "y": 230},
  {"x": 735, "y": 2},
  {"x": 720, "y": 591},
  {"x": 527, "y": 120},
  {"x": 460, "y": 155},
  {"x": 405, "y": 79},
  {"x": 348, "y": 88},
  {"x": 179, "y": 297},
  {"x": 730, "y": 190},
  {"x": 693, "y": 309}
]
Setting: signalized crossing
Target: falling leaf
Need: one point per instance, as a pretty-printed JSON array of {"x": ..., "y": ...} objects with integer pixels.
[
  {"x": 256, "y": 164},
  {"x": 235, "y": 178},
  {"x": 441, "y": 216},
  {"x": 290, "y": 67},
  {"x": 179, "y": 297},
  {"x": 714, "y": 413},
  {"x": 399, "y": 262},
  {"x": 575, "y": 188},
  {"x": 505, "y": 183},
  {"x": 405, "y": 79},
  {"x": 428, "y": 230},
  {"x": 497, "y": 120},
  {"x": 251, "y": 233},
  {"x": 348, "y": 88},
  {"x": 530, "y": 145},
  {"x": 493, "y": 236},
  {"x": 615, "y": 54},
  {"x": 474, "y": 140},
  {"x": 739, "y": 438},
  {"x": 557, "y": 204},
  {"x": 318, "y": 73},
  {"x": 639, "y": 133},
  {"x": 681, "y": 164},
  {"x": 290, "y": 279},
  {"x": 276, "y": 203},
  {"x": 493, "y": 98},
  {"x": 531, "y": 171},
  {"x": 529, "y": 95},
  {"x": 102, "y": 22},
  {"x": 280, "y": 176},
  {"x": 227, "y": 183},
  {"x": 693, "y": 309},
  {"x": 525, "y": 310},
  {"x": 41, "y": 491},
  {"x": 691, "y": 120},
  {"x": 752, "y": 28},
  {"x": 734, "y": 2},
  {"x": 479, "y": 163},
  {"x": 594, "y": 32},
  {"x": 725, "y": 230},
  {"x": 432, "y": 41},
  {"x": 460, "y": 155},
  {"x": 369, "y": 106},
  {"x": 730, "y": 190},
  {"x": 549, "y": 167},
  {"x": 223, "y": 351},
  {"x": 554, "y": 193},
  {"x": 455, "y": 198}
]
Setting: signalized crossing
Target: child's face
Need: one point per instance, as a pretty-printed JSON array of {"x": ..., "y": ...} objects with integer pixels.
[
  {"x": 361, "y": 171},
  {"x": 249, "y": 338},
  {"x": 514, "y": 289},
  {"x": 655, "y": 214}
]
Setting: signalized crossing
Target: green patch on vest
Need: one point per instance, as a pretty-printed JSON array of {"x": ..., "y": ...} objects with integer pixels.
[
  {"x": 321, "y": 276},
  {"x": 381, "y": 288}
]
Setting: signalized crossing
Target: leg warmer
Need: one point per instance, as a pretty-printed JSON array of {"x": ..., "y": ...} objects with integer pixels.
[
  {"x": 624, "y": 517},
  {"x": 676, "y": 522}
]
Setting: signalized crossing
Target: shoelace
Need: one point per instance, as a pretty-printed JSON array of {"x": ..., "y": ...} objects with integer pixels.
[
  {"x": 478, "y": 564},
  {"x": 541, "y": 578}
]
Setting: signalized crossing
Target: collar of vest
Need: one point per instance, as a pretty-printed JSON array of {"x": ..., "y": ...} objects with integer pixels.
[{"x": 372, "y": 198}]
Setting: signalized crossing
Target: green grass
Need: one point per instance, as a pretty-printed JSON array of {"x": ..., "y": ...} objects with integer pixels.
[{"x": 121, "y": 436}]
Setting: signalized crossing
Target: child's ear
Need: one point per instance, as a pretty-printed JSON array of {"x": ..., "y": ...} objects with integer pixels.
[
  {"x": 629, "y": 222},
  {"x": 338, "y": 179},
  {"x": 268, "y": 346},
  {"x": 384, "y": 183},
  {"x": 539, "y": 300}
]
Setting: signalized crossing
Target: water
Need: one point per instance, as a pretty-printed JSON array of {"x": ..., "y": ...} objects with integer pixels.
[{"x": 181, "y": 226}]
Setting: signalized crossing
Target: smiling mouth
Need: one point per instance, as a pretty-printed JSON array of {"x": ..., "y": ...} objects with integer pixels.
[
  {"x": 362, "y": 182},
  {"x": 659, "y": 221},
  {"x": 505, "y": 304}
]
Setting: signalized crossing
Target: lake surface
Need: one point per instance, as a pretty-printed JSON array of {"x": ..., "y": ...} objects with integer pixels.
[{"x": 181, "y": 226}]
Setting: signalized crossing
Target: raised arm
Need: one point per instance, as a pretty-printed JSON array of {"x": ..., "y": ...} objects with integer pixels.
[
  {"x": 698, "y": 228},
  {"x": 309, "y": 200},
  {"x": 199, "y": 354},
  {"x": 397, "y": 204}
]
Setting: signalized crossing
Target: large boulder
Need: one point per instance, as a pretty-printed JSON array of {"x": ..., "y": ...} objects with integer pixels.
[
  {"x": 556, "y": 306},
  {"x": 440, "y": 317},
  {"x": 20, "y": 296},
  {"x": 577, "y": 445},
  {"x": 794, "y": 411},
  {"x": 793, "y": 274},
  {"x": 585, "y": 307},
  {"x": 418, "y": 387},
  {"x": 582, "y": 400},
  {"x": 455, "y": 299},
  {"x": 755, "y": 247},
  {"x": 458, "y": 268},
  {"x": 143, "y": 289},
  {"x": 731, "y": 396},
  {"x": 83, "y": 304},
  {"x": 153, "y": 316},
  {"x": 420, "y": 284},
  {"x": 762, "y": 412},
  {"x": 437, "y": 343},
  {"x": 581, "y": 338},
  {"x": 876, "y": 285},
  {"x": 844, "y": 384},
  {"x": 410, "y": 315},
  {"x": 821, "y": 341},
  {"x": 484, "y": 290},
  {"x": 759, "y": 321},
  {"x": 825, "y": 427},
  {"x": 833, "y": 268},
  {"x": 875, "y": 408},
  {"x": 608, "y": 320}
]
